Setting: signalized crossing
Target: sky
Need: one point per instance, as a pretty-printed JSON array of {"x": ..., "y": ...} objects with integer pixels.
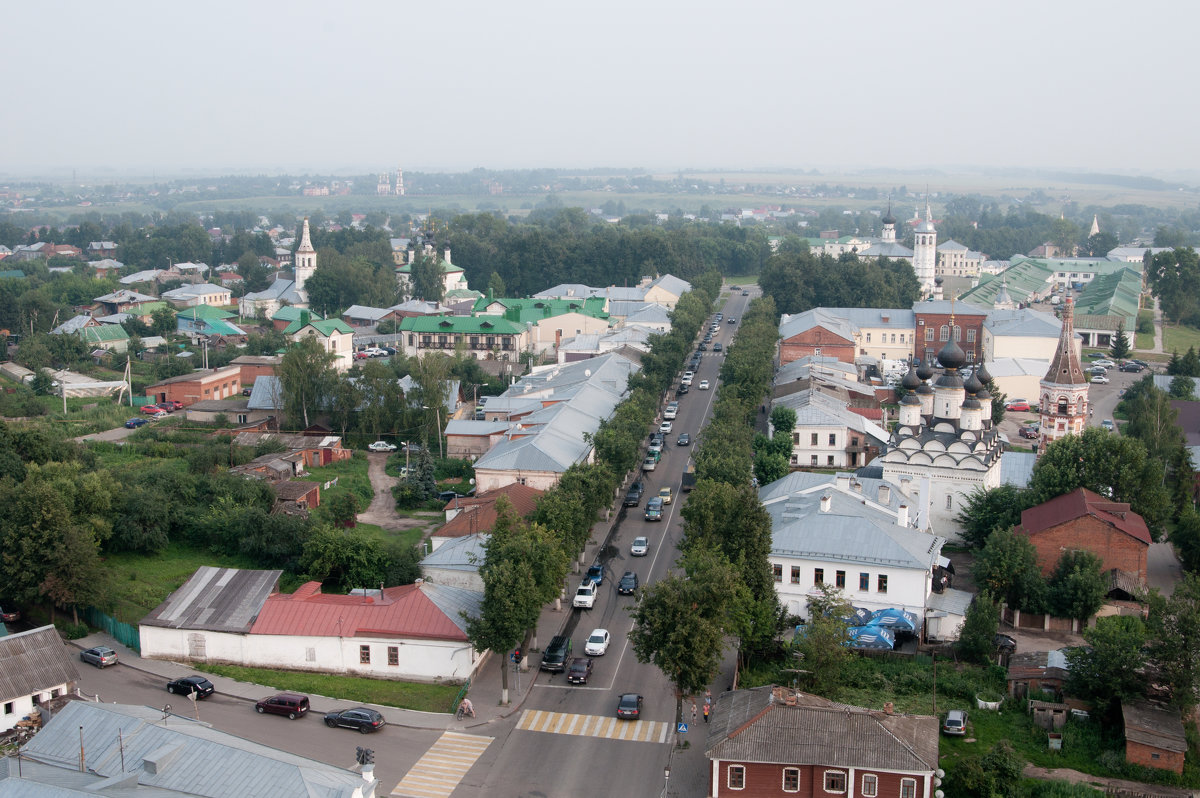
[{"x": 370, "y": 85}]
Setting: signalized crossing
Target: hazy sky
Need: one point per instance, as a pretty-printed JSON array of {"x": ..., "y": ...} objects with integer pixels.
[{"x": 456, "y": 84}]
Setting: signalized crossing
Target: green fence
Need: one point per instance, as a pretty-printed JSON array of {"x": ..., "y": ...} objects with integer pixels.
[{"x": 126, "y": 635}]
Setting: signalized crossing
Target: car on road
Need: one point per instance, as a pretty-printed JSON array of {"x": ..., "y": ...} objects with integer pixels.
[
  {"x": 585, "y": 595},
  {"x": 666, "y": 495},
  {"x": 134, "y": 423},
  {"x": 153, "y": 410},
  {"x": 1133, "y": 368},
  {"x": 654, "y": 508},
  {"x": 361, "y": 355},
  {"x": 681, "y": 390},
  {"x": 633, "y": 496},
  {"x": 628, "y": 584},
  {"x": 1100, "y": 379},
  {"x": 595, "y": 573},
  {"x": 361, "y": 718},
  {"x": 745, "y": 293},
  {"x": 656, "y": 447},
  {"x": 597, "y": 643},
  {"x": 649, "y": 464},
  {"x": 1108, "y": 424},
  {"x": 187, "y": 685},
  {"x": 556, "y": 654},
  {"x": 640, "y": 546},
  {"x": 703, "y": 347},
  {"x": 688, "y": 375},
  {"x": 671, "y": 412},
  {"x": 629, "y": 705},
  {"x": 717, "y": 347},
  {"x": 292, "y": 705},
  {"x": 955, "y": 722},
  {"x": 382, "y": 446},
  {"x": 1030, "y": 431},
  {"x": 704, "y": 385},
  {"x": 579, "y": 670},
  {"x": 684, "y": 439},
  {"x": 731, "y": 320},
  {"x": 666, "y": 427},
  {"x": 100, "y": 656},
  {"x": 1017, "y": 404}
]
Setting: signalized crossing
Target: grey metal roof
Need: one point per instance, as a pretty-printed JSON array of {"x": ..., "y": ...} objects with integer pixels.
[
  {"x": 1023, "y": 322},
  {"x": 886, "y": 249},
  {"x": 72, "y": 325},
  {"x": 1016, "y": 468},
  {"x": 199, "y": 289},
  {"x": 283, "y": 290},
  {"x": 754, "y": 726},
  {"x": 815, "y": 409},
  {"x": 365, "y": 312},
  {"x": 172, "y": 756},
  {"x": 267, "y": 394},
  {"x": 454, "y": 601},
  {"x": 950, "y": 601},
  {"x": 125, "y": 295},
  {"x": 33, "y": 661},
  {"x": 459, "y": 554},
  {"x": 144, "y": 276},
  {"x": 672, "y": 284},
  {"x": 217, "y": 599}
]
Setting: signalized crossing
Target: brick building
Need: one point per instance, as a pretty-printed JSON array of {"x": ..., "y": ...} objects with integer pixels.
[
  {"x": 198, "y": 386},
  {"x": 815, "y": 334},
  {"x": 1154, "y": 736},
  {"x": 933, "y": 329},
  {"x": 1082, "y": 520}
]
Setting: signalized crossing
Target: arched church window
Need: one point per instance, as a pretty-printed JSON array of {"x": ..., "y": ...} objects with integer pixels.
[{"x": 945, "y": 335}]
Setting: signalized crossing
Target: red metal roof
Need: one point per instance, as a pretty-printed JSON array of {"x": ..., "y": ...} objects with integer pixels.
[
  {"x": 399, "y": 612},
  {"x": 478, "y": 513},
  {"x": 1079, "y": 503},
  {"x": 872, "y": 413}
]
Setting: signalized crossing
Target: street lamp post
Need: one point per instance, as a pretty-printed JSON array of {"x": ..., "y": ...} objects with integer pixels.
[{"x": 666, "y": 779}]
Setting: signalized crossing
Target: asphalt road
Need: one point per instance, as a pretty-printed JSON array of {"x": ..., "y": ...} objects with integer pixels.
[{"x": 532, "y": 763}]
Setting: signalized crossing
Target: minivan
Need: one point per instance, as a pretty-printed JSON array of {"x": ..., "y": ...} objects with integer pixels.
[
  {"x": 293, "y": 705},
  {"x": 554, "y": 658},
  {"x": 654, "y": 508}
]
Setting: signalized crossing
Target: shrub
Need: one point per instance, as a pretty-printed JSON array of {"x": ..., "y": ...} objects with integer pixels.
[
  {"x": 452, "y": 468},
  {"x": 71, "y": 631}
]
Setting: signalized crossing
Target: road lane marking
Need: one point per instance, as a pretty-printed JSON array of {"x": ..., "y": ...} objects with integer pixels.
[
  {"x": 439, "y": 771},
  {"x": 646, "y": 731}
]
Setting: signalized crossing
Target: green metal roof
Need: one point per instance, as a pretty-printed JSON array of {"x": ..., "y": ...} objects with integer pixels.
[
  {"x": 204, "y": 312},
  {"x": 1021, "y": 279},
  {"x": 292, "y": 313},
  {"x": 104, "y": 334},
  {"x": 534, "y": 310},
  {"x": 221, "y": 327},
  {"x": 146, "y": 308},
  {"x": 1113, "y": 294},
  {"x": 326, "y": 327},
  {"x": 447, "y": 268},
  {"x": 465, "y": 325},
  {"x": 13, "y": 273}
]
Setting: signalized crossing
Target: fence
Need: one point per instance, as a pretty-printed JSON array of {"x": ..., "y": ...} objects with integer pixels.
[{"x": 125, "y": 634}]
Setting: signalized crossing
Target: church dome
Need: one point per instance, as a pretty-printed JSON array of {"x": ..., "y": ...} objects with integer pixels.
[
  {"x": 973, "y": 385},
  {"x": 911, "y": 381},
  {"x": 971, "y": 404},
  {"x": 926, "y": 227},
  {"x": 910, "y": 399},
  {"x": 887, "y": 217},
  {"x": 983, "y": 374},
  {"x": 924, "y": 371},
  {"x": 952, "y": 356}
]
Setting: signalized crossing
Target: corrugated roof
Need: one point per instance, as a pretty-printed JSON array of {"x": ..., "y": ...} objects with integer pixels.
[
  {"x": 217, "y": 599},
  {"x": 1079, "y": 503},
  {"x": 462, "y": 325},
  {"x": 1154, "y": 725},
  {"x": 33, "y": 661},
  {"x": 478, "y": 513}
]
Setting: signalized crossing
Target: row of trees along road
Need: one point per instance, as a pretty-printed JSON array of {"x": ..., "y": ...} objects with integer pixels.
[
  {"x": 724, "y": 588},
  {"x": 526, "y": 561}
]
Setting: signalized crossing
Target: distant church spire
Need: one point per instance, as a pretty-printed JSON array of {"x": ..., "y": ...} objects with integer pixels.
[
  {"x": 306, "y": 258},
  {"x": 1095, "y": 226}
]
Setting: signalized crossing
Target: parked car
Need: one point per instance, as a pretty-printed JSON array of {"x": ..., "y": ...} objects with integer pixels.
[
  {"x": 1004, "y": 642},
  {"x": 629, "y": 705},
  {"x": 703, "y": 347},
  {"x": 684, "y": 439},
  {"x": 1108, "y": 364},
  {"x": 955, "y": 723},
  {"x": 585, "y": 596},
  {"x": 187, "y": 685},
  {"x": 1108, "y": 424},
  {"x": 361, "y": 355},
  {"x": 681, "y": 390},
  {"x": 100, "y": 656},
  {"x": 717, "y": 347},
  {"x": 650, "y": 463},
  {"x": 153, "y": 410},
  {"x": 361, "y": 718},
  {"x": 1095, "y": 370},
  {"x": 166, "y": 407},
  {"x": 671, "y": 412},
  {"x": 1131, "y": 367},
  {"x": 293, "y": 705},
  {"x": 382, "y": 446},
  {"x": 1100, "y": 379},
  {"x": 579, "y": 670},
  {"x": 666, "y": 427},
  {"x": 666, "y": 495},
  {"x": 640, "y": 547},
  {"x": 9, "y": 616},
  {"x": 597, "y": 643},
  {"x": 134, "y": 423},
  {"x": 1017, "y": 404},
  {"x": 556, "y": 654},
  {"x": 628, "y": 584},
  {"x": 1031, "y": 431},
  {"x": 633, "y": 496},
  {"x": 595, "y": 573},
  {"x": 704, "y": 385}
]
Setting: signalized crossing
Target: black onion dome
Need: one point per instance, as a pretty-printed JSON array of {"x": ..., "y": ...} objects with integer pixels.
[
  {"x": 983, "y": 374},
  {"x": 910, "y": 381},
  {"x": 971, "y": 403},
  {"x": 973, "y": 385},
  {"x": 952, "y": 356},
  {"x": 910, "y": 399},
  {"x": 924, "y": 371}
]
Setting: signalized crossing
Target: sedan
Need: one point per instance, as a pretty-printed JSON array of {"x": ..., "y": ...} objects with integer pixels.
[
  {"x": 649, "y": 464},
  {"x": 100, "y": 656},
  {"x": 1131, "y": 367},
  {"x": 640, "y": 547},
  {"x": 1108, "y": 364},
  {"x": 666, "y": 495},
  {"x": 1095, "y": 370},
  {"x": 629, "y": 706},
  {"x": 1100, "y": 379},
  {"x": 201, "y": 687},
  {"x": 382, "y": 446},
  {"x": 666, "y": 427},
  {"x": 704, "y": 385},
  {"x": 731, "y": 320},
  {"x": 684, "y": 439},
  {"x": 134, "y": 423},
  {"x": 152, "y": 410},
  {"x": 361, "y": 718},
  {"x": 579, "y": 670},
  {"x": 628, "y": 584},
  {"x": 597, "y": 643},
  {"x": 745, "y": 293}
]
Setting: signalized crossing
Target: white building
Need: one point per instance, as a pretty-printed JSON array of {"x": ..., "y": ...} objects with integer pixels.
[
  {"x": 284, "y": 292},
  {"x": 828, "y": 434},
  {"x": 925, "y": 252},
  {"x": 34, "y": 668}
]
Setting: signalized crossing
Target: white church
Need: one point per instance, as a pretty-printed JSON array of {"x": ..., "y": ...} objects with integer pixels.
[{"x": 284, "y": 292}]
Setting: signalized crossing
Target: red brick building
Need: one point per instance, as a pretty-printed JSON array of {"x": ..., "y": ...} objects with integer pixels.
[
  {"x": 1084, "y": 521},
  {"x": 255, "y": 366},
  {"x": 933, "y": 329},
  {"x": 198, "y": 386},
  {"x": 814, "y": 333},
  {"x": 1154, "y": 736},
  {"x": 769, "y": 741}
]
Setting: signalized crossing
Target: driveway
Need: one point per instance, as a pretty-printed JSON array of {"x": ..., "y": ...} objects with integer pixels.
[{"x": 382, "y": 511}]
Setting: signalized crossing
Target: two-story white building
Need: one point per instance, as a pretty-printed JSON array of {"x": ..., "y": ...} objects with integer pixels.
[{"x": 828, "y": 434}]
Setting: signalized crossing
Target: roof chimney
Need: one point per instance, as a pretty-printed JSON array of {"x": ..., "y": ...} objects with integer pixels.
[
  {"x": 888, "y": 707},
  {"x": 826, "y": 502},
  {"x": 902, "y": 515},
  {"x": 843, "y": 481},
  {"x": 885, "y": 494}
]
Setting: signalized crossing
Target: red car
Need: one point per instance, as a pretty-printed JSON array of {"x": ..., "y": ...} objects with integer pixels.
[
  {"x": 1018, "y": 404},
  {"x": 152, "y": 410}
]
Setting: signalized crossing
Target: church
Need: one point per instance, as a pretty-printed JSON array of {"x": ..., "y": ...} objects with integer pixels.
[
  {"x": 923, "y": 256},
  {"x": 284, "y": 292}
]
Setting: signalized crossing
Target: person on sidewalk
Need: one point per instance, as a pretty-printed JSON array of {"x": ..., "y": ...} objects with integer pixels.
[
  {"x": 693, "y": 711},
  {"x": 706, "y": 711},
  {"x": 466, "y": 708}
]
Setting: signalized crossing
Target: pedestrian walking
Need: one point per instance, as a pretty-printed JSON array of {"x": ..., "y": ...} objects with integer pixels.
[
  {"x": 708, "y": 696},
  {"x": 706, "y": 711},
  {"x": 693, "y": 710}
]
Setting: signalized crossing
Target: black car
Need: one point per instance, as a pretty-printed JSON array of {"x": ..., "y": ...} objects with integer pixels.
[
  {"x": 684, "y": 439},
  {"x": 717, "y": 346},
  {"x": 1004, "y": 643},
  {"x": 361, "y": 718},
  {"x": 681, "y": 390},
  {"x": 629, "y": 706},
  {"x": 634, "y": 496},
  {"x": 556, "y": 654},
  {"x": 703, "y": 347},
  {"x": 1133, "y": 367},
  {"x": 628, "y": 584},
  {"x": 188, "y": 685},
  {"x": 580, "y": 670}
]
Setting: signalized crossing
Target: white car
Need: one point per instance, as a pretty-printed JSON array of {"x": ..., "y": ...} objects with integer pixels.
[
  {"x": 1108, "y": 364},
  {"x": 687, "y": 380},
  {"x": 1100, "y": 379},
  {"x": 597, "y": 643},
  {"x": 665, "y": 427},
  {"x": 670, "y": 413},
  {"x": 704, "y": 385},
  {"x": 640, "y": 547},
  {"x": 382, "y": 446},
  {"x": 649, "y": 464},
  {"x": 585, "y": 596}
]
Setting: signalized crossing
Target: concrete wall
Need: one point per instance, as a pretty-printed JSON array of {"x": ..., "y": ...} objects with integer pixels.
[{"x": 14, "y": 708}]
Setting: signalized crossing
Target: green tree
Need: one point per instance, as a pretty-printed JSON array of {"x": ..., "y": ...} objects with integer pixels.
[
  {"x": 503, "y": 615},
  {"x": 1120, "y": 343},
  {"x": 1173, "y": 626},
  {"x": 163, "y": 321},
  {"x": 495, "y": 285},
  {"x": 307, "y": 378},
  {"x": 255, "y": 276},
  {"x": 1007, "y": 568},
  {"x": 988, "y": 510},
  {"x": 976, "y": 641},
  {"x": 820, "y": 646},
  {"x": 1183, "y": 388},
  {"x": 1100, "y": 244},
  {"x": 1110, "y": 668},
  {"x": 343, "y": 559},
  {"x": 74, "y": 573},
  {"x": 426, "y": 275},
  {"x": 343, "y": 507},
  {"x": 995, "y": 774},
  {"x": 1078, "y": 586}
]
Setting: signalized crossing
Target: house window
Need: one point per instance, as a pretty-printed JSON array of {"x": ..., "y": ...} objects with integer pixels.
[
  {"x": 957, "y": 333},
  {"x": 55, "y": 693},
  {"x": 310, "y": 654},
  {"x": 1154, "y": 756},
  {"x": 854, "y": 441},
  {"x": 796, "y": 438},
  {"x": 795, "y": 574},
  {"x": 870, "y": 785},
  {"x": 928, "y": 333},
  {"x": 881, "y": 585},
  {"x": 818, "y": 576},
  {"x": 864, "y": 581},
  {"x": 868, "y": 338},
  {"x": 970, "y": 336},
  {"x": 829, "y": 460},
  {"x": 813, "y": 460},
  {"x": 908, "y": 788},
  {"x": 777, "y": 570},
  {"x": 833, "y": 439},
  {"x": 840, "y": 580},
  {"x": 945, "y": 333},
  {"x": 8, "y": 707},
  {"x": 894, "y": 338},
  {"x": 737, "y": 777},
  {"x": 813, "y": 440},
  {"x": 364, "y": 655},
  {"x": 521, "y": 480},
  {"x": 393, "y": 655},
  {"x": 791, "y": 779},
  {"x": 242, "y": 418},
  {"x": 835, "y": 781},
  {"x": 950, "y": 502}
]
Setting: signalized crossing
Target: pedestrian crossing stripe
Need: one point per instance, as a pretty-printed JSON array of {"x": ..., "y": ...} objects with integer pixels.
[
  {"x": 439, "y": 771},
  {"x": 611, "y": 728}
]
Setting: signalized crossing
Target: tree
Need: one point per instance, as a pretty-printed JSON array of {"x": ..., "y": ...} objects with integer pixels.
[
  {"x": 427, "y": 282},
  {"x": 503, "y": 616},
  {"x": 820, "y": 646},
  {"x": 162, "y": 321},
  {"x": 1183, "y": 388},
  {"x": 988, "y": 510},
  {"x": 1110, "y": 668},
  {"x": 1100, "y": 244},
  {"x": 74, "y": 573},
  {"x": 1120, "y": 343},
  {"x": 342, "y": 508},
  {"x": 1007, "y": 568},
  {"x": 255, "y": 276},
  {"x": 496, "y": 285},
  {"x": 1078, "y": 586},
  {"x": 1173, "y": 626},
  {"x": 995, "y": 774},
  {"x": 307, "y": 378},
  {"x": 343, "y": 559},
  {"x": 976, "y": 641}
]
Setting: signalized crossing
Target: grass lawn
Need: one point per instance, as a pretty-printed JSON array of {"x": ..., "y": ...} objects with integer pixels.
[
  {"x": 141, "y": 582},
  {"x": 384, "y": 692},
  {"x": 1179, "y": 338},
  {"x": 350, "y": 475}
]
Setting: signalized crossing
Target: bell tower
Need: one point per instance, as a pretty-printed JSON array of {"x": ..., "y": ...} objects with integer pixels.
[
  {"x": 306, "y": 259},
  {"x": 1063, "y": 399}
]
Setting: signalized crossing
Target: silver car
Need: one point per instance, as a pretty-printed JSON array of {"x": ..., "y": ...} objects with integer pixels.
[{"x": 100, "y": 656}]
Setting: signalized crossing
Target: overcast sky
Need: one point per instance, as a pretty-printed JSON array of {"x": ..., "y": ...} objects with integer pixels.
[{"x": 457, "y": 84}]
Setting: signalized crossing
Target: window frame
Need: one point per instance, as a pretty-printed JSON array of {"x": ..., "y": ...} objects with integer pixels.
[
  {"x": 818, "y": 576},
  {"x": 871, "y": 791},
  {"x": 393, "y": 656},
  {"x": 795, "y": 574},
  {"x": 740, "y": 770},
  {"x": 864, "y": 580},
  {"x": 364, "y": 654},
  {"x": 825, "y": 777},
  {"x": 777, "y": 571},
  {"x": 910, "y": 785},
  {"x": 881, "y": 583},
  {"x": 794, "y": 772}
]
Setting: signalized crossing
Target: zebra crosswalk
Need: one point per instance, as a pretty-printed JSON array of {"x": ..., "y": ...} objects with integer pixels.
[
  {"x": 642, "y": 731},
  {"x": 438, "y": 772}
]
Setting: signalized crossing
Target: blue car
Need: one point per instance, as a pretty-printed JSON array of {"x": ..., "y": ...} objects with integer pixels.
[{"x": 134, "y": 423}]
